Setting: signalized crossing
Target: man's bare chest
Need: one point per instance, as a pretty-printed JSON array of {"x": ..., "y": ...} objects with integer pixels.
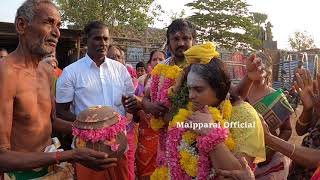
[{"x": 33, "y": 93}]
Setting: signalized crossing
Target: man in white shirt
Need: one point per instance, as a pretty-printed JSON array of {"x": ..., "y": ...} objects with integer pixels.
[{"x": 95, "y": 80}]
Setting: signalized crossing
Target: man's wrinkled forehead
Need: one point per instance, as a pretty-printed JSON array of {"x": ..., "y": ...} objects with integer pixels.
[{"x": 47, "y": 11}]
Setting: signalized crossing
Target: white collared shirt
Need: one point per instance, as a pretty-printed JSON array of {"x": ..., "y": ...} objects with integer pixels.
[{"x": 85, "y": 85}]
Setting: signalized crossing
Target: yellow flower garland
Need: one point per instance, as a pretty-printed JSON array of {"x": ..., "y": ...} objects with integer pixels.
[
  {"x": 227, "y": 109},
  {"x": 189, "y": 137},
  {"x": 171, "y": 72},
  {"x": 180, "y": 117},
  {"x": 156, "y": 124},
  {"x": 189, "y": 163},
  {"x": 167, "y": 71},
  {"x": 226, "y": 115},
  {"x": 160, "y": 174}
]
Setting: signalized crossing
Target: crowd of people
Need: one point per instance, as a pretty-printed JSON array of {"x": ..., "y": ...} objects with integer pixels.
[{"x": 164, "y": 102}]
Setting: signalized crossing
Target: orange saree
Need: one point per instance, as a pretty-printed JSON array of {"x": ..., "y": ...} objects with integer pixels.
[{"x": 146, "y": 153}]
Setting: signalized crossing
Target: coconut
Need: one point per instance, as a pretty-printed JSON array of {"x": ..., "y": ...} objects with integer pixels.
[{"x": 95, "y": 120}]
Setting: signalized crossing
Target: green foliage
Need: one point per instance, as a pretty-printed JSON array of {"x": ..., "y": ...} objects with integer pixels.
[
  {"x": 135, "y": 13},
  {"x": 179, "y": 99},
  {"x": 301, "y": 41},
  {"x": 259, "y": 18},
  {"x": 226, "y": 22},
  {"x": 263, "y": 29},
  {"x": 177, "y": 15}
]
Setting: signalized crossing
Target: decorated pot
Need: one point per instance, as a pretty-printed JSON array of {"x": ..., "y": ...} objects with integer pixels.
[{"x": 101, "y": 128}]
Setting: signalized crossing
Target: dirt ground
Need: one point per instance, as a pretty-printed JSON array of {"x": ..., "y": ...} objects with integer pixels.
[{"x": 294, "y": 137}]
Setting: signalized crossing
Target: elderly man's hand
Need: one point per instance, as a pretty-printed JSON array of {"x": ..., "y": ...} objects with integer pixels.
[
  {"x": 93, "y": 159},
  {"x": 244, "y": 173}
]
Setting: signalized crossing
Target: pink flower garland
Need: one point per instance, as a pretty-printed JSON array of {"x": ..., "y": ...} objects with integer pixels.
[
  {"x": 204, "y": 165},
  {"x": 163, "y": 97},
  {"x": 161, "y": 152},
  {"x": 154, "y": 87},
  {"x": 215, "y": 137},
  {"x": 173, "y": 155},
  {"x": 95, "y": 135},
  {"x": 205, "y": 144}
]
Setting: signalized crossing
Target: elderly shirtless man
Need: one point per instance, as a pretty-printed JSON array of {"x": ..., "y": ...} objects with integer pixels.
[{"x": 27, "y": 109}]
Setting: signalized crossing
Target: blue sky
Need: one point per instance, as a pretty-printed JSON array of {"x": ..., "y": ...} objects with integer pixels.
[{"x": 287, "y": 16}]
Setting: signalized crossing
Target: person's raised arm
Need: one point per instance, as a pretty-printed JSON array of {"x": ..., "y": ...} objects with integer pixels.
[
  {"x": 255, "y": 71},
  {"x": 304, "y": 85}
]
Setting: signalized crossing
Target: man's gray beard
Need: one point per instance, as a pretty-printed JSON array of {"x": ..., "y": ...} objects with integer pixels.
[{"x": 40, "y": 51}]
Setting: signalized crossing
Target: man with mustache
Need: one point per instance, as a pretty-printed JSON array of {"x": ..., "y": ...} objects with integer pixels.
[
  {"x": 27, "y": 108},
  {"x": 181, "y": 35},
  {"x": 95, "y": 80}
]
